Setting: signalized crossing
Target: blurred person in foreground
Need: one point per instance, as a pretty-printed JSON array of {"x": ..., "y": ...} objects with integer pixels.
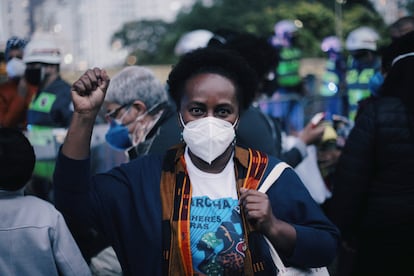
[
  {"x": 373, "y": 190},
  {"x": 193, "y": 209},
  {"x": 34, "y": 238},
  {"x": 15, "y": 94}
]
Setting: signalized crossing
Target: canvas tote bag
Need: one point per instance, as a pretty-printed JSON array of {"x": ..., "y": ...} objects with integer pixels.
[{"x": 286, "y": 271}]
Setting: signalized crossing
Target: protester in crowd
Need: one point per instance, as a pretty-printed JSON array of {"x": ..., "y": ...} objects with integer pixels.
[
  {"x": 50, "y": 108},
  {"x": 363, "y": 63},
  {"x": 34, "y": 238},
  {"x": 330, "y": 147},
  {"x": 141, "y": 116},
  {"x": 372, "y": 191},
  {"x": 189, "y": 210},
  {"x": 286, "y": 101},
  {"x": 256, "y": 129},
  {"x": 15, "y": 94}
]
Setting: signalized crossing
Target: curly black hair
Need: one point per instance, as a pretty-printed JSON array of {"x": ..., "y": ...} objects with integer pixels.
[
  {"x": 226, "y": 63},
  {"x": 17, "y": 159}
]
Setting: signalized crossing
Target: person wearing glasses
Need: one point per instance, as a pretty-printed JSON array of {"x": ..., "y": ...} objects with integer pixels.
[
  {"x": 195, "y": 209},
  {"x": 140, "y": 114}
]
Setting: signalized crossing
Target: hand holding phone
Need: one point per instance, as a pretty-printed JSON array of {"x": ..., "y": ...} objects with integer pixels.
[{"x": 317, "y": 118}]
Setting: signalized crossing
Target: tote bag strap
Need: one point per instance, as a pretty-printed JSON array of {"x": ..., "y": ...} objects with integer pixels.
[
  {"x": 320, "y": 271},
  {"x": 267, "y": 183},
  {"x": 273, "y": 176}
]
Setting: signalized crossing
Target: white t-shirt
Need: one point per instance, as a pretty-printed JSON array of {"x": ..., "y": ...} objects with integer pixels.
[{"x": 215, "y": 222}]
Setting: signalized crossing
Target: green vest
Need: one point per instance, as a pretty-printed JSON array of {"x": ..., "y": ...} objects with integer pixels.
[
  {"x": 358, "y": 88},
  {"x": 288, "y": 68}
]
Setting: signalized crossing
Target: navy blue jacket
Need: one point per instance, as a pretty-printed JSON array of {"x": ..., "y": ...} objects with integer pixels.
[{"x": 125, "y": 205}]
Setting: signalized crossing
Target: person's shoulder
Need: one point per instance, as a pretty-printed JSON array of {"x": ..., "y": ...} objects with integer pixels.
[
  {"x": 40, "y": 211},
  {"x": 153, "y": 160},
  {"x": 36, "y": 202}
]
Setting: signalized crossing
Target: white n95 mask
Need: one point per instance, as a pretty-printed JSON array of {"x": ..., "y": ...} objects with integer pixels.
[{"x": 208, "y": 137}]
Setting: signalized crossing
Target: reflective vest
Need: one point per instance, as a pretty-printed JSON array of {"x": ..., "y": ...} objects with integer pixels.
[
  {"x": 358, "y": 86},
  {"x": 52, "y": 106},
  {"x": 42, "y": 125},
  {"x": 288, "y": 68}
]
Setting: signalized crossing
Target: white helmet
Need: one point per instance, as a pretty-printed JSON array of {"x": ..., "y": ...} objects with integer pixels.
[
  {"x": 43, "y": 50},
  {"x": 192, "y": 40},
  {"x": 331, "y": 43},
  {"x": 284, "y": 32},
  {"x": 362, "y": 38},
  {"x": 284, "y": 27}
]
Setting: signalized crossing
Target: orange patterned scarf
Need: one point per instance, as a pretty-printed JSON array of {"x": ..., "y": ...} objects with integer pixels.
[{"x": 250, "y": 166}]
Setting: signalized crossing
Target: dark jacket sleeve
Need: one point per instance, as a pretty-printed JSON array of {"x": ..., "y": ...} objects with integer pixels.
[
  {"x": 123, "y": 204},
  {"x": 293, "y": 157},
  {"x": 72, "y": 186}
]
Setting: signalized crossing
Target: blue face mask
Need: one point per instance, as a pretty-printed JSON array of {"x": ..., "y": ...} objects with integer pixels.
[{"x": 118, "y": 136}]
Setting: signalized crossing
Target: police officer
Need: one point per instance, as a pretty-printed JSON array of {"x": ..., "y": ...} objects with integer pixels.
[
  {"x": 50, "y": 108},
  {"x": 362, "y": 65}
]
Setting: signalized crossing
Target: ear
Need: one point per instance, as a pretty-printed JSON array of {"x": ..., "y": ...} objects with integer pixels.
[{"x": 139, "y": 106}]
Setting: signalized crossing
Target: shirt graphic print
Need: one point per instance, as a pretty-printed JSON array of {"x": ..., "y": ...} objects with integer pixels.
[{"x": 217, "y": 242}]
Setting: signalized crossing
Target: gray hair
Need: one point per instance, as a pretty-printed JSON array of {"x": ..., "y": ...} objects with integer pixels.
[{"x": 136, "y": 83}]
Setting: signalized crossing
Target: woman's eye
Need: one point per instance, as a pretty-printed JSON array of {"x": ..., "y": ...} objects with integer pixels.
[
  {"x": 195, "y": 111},
  {"x": 223, "y": 112}
]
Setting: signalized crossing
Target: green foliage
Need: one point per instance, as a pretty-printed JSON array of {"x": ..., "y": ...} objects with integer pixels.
[
  {"x": 145, "y": 40},
  {"x": 154, "y": 41}
]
